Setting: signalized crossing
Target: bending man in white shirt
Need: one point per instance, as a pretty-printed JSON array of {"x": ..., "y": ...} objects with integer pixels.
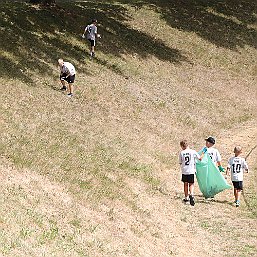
[{"x": 67, "y": 74}]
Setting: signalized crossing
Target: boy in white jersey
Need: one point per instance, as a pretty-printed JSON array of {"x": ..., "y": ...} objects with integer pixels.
[
  {"x": 67, "y": 74},
  {"x": 237, "y": 165},
  {"x": 213, "y": 152},
  {"x": 91, "y": 32},
  {"x": 187, "y": 160}
]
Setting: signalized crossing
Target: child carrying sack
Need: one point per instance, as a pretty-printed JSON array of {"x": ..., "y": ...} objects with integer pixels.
[{"x": 210, "y": 180}]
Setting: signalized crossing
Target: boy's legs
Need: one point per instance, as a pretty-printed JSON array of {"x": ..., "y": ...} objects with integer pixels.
[
  {"x": 92, "y": 47},
  {"x": 238, "y": 194},
  {"x": 191, "y": 195},
  {"x": 238, "y": 187},
  {"x": 63, "y": 85},
  {"x": 235, "y": 194},
  {"x": 71, "y": 80},
  {"x": 93, "y": 50},
  {"x": 186, "y": 190},
  {"x": 191, "y": 188},
  {"x": 71, "y": 88}
]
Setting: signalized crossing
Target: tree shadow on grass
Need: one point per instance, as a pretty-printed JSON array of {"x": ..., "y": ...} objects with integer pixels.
[
  {"x": 33, "y": 38},
  {"x": 121, "y": 39},
  {"x": 225, "y": 23}
]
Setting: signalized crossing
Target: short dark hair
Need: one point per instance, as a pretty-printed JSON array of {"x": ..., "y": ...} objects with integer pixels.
[
  {"x": 184, "y": 143},
  {"x": 94, "y": 20}
]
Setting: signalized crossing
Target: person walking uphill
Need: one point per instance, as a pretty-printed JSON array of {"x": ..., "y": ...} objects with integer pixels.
[
  {"x": 68, "y": 72},
  {"x": 213, "y": 152},
  {"x": 91, "y": 34},
  {"x": 237, "y": 165},
  {"x": 187, "y": 160}
]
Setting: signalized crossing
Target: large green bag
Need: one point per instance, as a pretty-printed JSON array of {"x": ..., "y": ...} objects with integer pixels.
[{"x": 210, "y": 180}]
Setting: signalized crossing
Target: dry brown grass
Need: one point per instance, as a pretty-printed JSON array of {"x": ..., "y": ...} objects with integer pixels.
[{"x": 97, "y": 175}]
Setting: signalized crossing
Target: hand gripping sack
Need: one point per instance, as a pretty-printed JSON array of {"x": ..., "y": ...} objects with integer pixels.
[{"x": 210, "y": 180}]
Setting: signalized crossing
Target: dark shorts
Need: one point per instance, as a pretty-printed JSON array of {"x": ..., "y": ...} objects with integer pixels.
[
  {"x": 188, "y": 178},
  {"x": 92, "y": 42},
  {"x": 238, "y": 184},
  {"x": 69, "y": 79}
]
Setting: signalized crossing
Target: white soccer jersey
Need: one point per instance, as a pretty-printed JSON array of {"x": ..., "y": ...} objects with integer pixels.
[
  {"x": 214, "y": 154},
  {"x": 68, "y": 69},
  {"x": 237, "y": 165},
  {"x": 187, "y": 159},
  {"x": 91, "y": 31}
]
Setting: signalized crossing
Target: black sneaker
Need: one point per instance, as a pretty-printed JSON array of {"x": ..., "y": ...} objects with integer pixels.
[
  {"x": 70, "y": 95},
  {"x": 64, "y": 88},
  {"x": 185, "y": 200},
  {"x": 192, "y": 200},
  {"x": 91, "y": 55}
]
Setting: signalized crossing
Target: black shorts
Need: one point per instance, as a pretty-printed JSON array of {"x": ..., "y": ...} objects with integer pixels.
[
  {"x": 188, "y": 178},
  {"x": 238, "y": 185},
  {"x": 69, "y": 79},
  {"x": 92, "y": 42}
]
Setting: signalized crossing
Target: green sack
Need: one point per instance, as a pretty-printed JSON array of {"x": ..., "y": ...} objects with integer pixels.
[{"x": 210, "y": 180}]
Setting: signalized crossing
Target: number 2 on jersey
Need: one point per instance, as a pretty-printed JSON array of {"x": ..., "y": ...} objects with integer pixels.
[{"x": 187, "y": 160}]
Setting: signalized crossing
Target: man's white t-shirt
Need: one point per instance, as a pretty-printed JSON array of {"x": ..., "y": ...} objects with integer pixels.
[
  {"x": 187, "y": 159},
  {"x": 237, "y": 165},
  {"x": 214, "y": 154},
  {"x": 91, "y": 31},
  {"x": 68, "y": 69}
]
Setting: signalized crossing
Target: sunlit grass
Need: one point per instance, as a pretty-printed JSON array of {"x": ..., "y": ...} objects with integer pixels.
[{"x": 83, "y": 163}]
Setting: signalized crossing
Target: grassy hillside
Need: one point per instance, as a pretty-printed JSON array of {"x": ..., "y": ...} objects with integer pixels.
[{"x": 97, "y": 175}]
